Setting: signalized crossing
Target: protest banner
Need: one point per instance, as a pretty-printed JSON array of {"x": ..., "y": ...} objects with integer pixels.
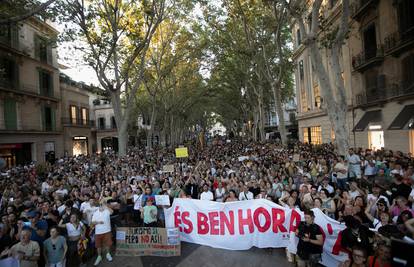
[
  {"x": 181, "y": 152},
  {"x": 243, "y": 224},
  {"x": 147, "y": 241},
  {"x": 162, "y": 200},
  {"x": 168, "y": 168}
]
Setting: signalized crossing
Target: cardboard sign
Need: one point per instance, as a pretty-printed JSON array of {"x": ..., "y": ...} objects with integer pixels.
[
  {"x": 148, "y": 241},
  {"x": 162, "y": 200},
  {"x": 181, "y": 152},
  {"x": 168, "y": 168}
]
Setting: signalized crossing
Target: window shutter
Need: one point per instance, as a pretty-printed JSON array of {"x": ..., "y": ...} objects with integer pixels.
[
  {"x": 16, "y": 79},
  {"x": 50, "y": 85},
  {"x": 37, "y": 47},
  {"x": 10, "y": 116},
  {"x": 53, "y": 115},
  {"x": 49, "y": 54},
  {"x": 41, "y": 86},
  {"x": 43, "y": 113},
  {"x": 14, "y": 34}
]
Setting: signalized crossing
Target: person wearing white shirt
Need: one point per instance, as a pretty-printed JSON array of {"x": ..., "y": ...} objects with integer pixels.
[
  {"x": 220, "y": 192},
  {"x": 245, "y": 194},
  {"x": 206, "y": 194},
  {"x": 101, "y": 219},
  {"x": 354, "y": 164},
  {"x": 137, "y": 198},
  {"x": 87, "y": 209},
  {"x": 325, "y": 184}
]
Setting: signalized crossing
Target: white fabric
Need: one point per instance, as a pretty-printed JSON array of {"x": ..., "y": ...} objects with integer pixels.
[
  {"x": 266, "y": 225},
  {"x": 137, "y": 201},
  {"x": 207, "y": 196},
  {"x": 102, "y": 216},
  {"x": 72, "y": 230},
  {"x": 220, "y": 194},
  {"x": 245, "y": 196}
]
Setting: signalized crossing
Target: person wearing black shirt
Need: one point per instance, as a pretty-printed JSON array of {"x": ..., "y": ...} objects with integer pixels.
[
  {"x": 310, "y": 244},
  {"x": 398, "y": 188},
  {"x": 355, "y": 234}
]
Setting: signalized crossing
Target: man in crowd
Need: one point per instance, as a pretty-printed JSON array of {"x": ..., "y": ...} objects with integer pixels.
[
  {"x": 103, "y": 237},
  {"x": 310, "y": 241}
]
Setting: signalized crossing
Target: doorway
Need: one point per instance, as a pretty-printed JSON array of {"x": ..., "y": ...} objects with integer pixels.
[
  {"x": 80, "y": 145},
  {"x": 411, "y": 137},
  {"x": 375, "y": 137}
]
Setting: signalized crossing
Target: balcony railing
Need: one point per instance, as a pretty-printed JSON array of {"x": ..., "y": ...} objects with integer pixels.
[
  {"x": 106, "y": 127},
  {"x": 395, "y": 42},
  {"x": 368, "y": 58},
  {"x": 78, "y": 122},
  {"x": 360, "y": 7},
  {"x": 394, "y": 90}
]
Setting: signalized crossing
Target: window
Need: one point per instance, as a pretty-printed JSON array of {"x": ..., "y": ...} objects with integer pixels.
[
  {"x": 10, "y": 115},
  {"x": 101, "y": 123},
  {"x": 43, "y": 50},
  {"x": 306, "y": 135},
  {"x": 9, "y": 35},
  {"x": 371, "y": 77},
  {"x": 317, "y": 95},
  {"x": 8, "y": 73},
  {"x": 45, "y": 83},
  {"x": 301, "y": 71},
  {"x": 316, "y": 135},
  {"x": 49, "y": 120},
  {"x": 332, "y": 135},
  {"x": 113, "y": 122},
  {"x": 303, "y": 99},
  {"x": 408, "y": 71},
  {"x": 370, "y": 42},
  {"x": 84, "y": 116},
  {"x": 73, "y": 114},
  {"x": 406, "y": 18}
]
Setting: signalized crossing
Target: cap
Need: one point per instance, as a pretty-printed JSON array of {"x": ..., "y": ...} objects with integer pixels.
[
  {"x": 32, "y": 214},
  {"x": 151, "y": 199}
]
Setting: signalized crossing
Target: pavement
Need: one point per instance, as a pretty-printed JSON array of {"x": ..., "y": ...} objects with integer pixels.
[{"x": 203, "y": 256}]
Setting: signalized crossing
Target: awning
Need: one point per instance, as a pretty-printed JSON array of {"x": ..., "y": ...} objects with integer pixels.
[
  {"x": 369, "y": 116},
  {"x": 402, "y": 118}
]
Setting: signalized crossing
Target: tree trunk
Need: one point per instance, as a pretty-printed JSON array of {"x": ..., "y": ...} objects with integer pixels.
[
  {"x": 336, "y": 108},
  {"x": 121, "y": 119},
  {"x": 280, "y": 114},
  {"x": 152, "y": 125},
  {"x": 122, "y": 141},
  {"x": 261, "y": 120}
]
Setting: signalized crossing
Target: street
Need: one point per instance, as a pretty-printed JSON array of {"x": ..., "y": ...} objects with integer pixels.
[{"x": 203, "y": 256}]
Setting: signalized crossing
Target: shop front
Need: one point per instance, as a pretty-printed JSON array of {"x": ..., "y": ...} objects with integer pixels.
[{"x": 16, "y": 153}]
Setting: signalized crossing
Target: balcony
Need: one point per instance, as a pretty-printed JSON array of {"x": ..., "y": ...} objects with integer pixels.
[
  {"x": 396, "y": 43},
  {"x": 73, "y": 122},
  {"x": 107, "y": 128},
  {"x": 368, "y": 59},
  {"x": 360, "y": 7},
  {"x": 381, "y": 95}
]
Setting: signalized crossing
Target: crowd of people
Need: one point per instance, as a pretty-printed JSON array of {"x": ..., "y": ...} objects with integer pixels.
[{"x": 55, "y": 215}]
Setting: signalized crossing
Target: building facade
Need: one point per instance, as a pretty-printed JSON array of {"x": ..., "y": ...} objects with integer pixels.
[
  {"x": 378, "y": 73},
  {"x": 78, "y": 137},
  {"x": 30, "y": 100},
  {"x": 105, "y": 126}
]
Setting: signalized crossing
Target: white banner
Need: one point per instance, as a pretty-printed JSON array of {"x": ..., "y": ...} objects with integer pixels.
[{"x": 243, "y": 224}]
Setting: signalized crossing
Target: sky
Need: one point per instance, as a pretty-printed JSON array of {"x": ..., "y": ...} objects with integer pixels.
[{"x": 81, "y": 72}]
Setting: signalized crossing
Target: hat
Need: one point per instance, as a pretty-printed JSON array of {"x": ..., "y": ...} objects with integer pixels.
[
  {"x": 151, "y": 199},
  {"x": 32, "y": 214}
]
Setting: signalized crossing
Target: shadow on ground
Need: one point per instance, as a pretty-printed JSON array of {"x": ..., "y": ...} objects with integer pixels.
[{"x": 203, "y": 256}]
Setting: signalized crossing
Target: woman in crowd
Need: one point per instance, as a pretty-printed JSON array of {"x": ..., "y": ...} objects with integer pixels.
[{"x": 75, "y": 232}]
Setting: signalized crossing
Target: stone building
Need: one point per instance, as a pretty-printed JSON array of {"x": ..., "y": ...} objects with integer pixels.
[
  {"x": 30, "y": 100},
  {"x": 378, "y": 73},
  {"x": 78, "y": 137}
]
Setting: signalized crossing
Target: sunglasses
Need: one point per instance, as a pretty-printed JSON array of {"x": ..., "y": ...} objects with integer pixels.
[{"x": 54, "y": 246}]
